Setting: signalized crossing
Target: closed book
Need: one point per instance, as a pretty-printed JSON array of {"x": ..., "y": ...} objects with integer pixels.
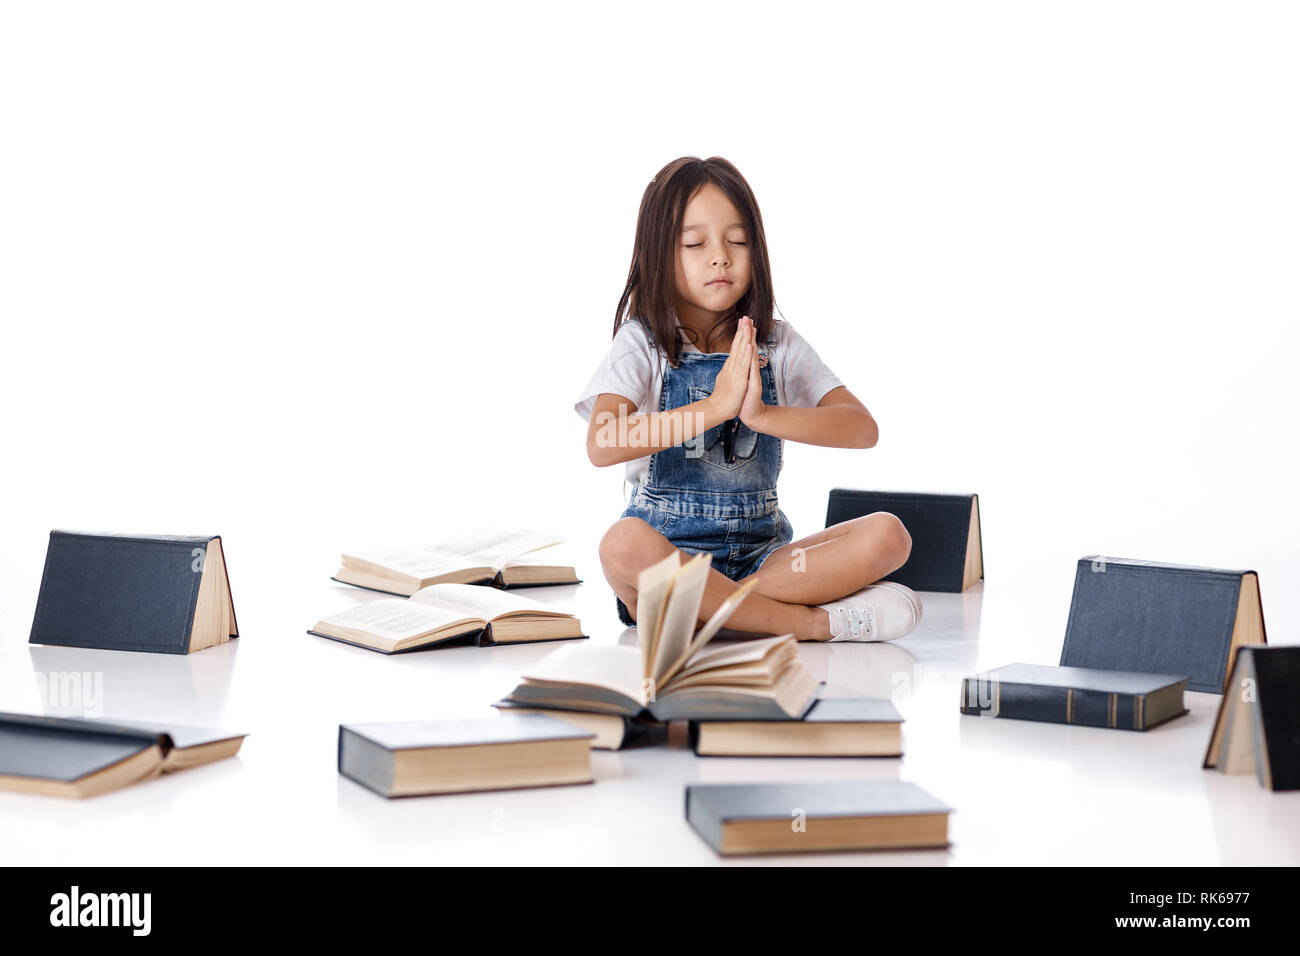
[
  {"x": 1149, "y": 617},
  {"x": 1075, "y": 695},
  {"x": 810, "y": 817},
  {"x": 84, "y": 757},
  {"x": 833, "y": 727},
  {"x": 159, "y": 593},
  {"x": 454, "y": 756},
  {"x": 1258, "y": 724},
  {"x": 947, "y": 551},
  {"x": 612, "y": 731}
]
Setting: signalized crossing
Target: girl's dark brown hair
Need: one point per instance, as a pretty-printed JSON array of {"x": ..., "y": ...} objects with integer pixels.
[{"x": 652, "y": 276}]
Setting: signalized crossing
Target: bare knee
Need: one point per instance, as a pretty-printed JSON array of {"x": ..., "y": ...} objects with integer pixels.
[
  {"x": 889, "y": 538},
  {"x": 626, "y": 548}
]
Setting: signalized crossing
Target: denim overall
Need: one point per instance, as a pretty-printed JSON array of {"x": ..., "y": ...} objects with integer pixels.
[{"x": 715, "y": 492}]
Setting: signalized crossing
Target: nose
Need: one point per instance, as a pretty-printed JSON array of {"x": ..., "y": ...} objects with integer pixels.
[{"x": 720, "y": 258}]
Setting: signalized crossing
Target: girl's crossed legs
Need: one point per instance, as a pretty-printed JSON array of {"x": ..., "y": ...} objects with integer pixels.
[{"x": 825, "y": 566}]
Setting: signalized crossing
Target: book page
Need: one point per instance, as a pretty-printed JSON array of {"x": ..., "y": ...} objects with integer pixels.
[
  {"x": 395, "y": 618},
  {"x": 551, "y": 556},
  {"x": 711, "y": 627},
  {"x": 681, "y": 613},
  {"x": 416, "y": 563},
  {"x": 495, "y": 546},
  {"x": 614, "y": 667},
  {"x": 652, "y": 587},
  {"x": 725, "y": 655},
  {"x": 481, "y": 601}
]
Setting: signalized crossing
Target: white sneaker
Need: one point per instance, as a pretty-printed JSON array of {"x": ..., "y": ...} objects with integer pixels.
[{"x": 884, "y": 611}]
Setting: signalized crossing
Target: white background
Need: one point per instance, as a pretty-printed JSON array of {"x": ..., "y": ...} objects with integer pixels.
[{"x": 321, "y": 275}]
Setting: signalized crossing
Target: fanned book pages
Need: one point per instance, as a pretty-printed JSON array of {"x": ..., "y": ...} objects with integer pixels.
[
  {"x": 501, "y": 558},
  {"x": 84, "y": 757},
  {"x": 673, "y": 674},
  {"x": 443, "y": 613}
]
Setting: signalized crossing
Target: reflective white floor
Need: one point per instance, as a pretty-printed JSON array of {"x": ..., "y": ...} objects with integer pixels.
[{"x": 1023, "y": 792}]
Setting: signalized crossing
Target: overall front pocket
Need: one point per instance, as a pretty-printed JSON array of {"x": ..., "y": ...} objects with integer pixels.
[{"x": 712, "y": 447}]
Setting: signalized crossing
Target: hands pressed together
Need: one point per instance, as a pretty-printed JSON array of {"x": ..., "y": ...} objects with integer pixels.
[{"x": 738, "y": 388}]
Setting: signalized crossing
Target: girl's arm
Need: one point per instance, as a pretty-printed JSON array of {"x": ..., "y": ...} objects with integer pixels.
[
  {"x": 616, "y": 434},
  {"x": 839, "y": 420}
]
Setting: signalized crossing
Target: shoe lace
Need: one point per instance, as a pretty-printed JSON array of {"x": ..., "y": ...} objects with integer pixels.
[{"x": 859, "y": 621}]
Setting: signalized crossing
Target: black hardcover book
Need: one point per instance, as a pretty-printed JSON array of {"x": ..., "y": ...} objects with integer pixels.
[
  {"x": 806, "y": 817},
  {"x": 1258, "y": 724},
  {"x": 161, "y": 593},
  {"x": 454, "y": 756},
  {"x": 1074, "y": 695},
  {"x": 82, "y": 757},
  {"x": 1149, "y": 617},
  {"x": 833, "y": 727},
  {"x": 947, "y": 554}
]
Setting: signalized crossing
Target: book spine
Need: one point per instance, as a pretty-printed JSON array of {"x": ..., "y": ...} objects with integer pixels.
[{"x": 1058, "y": 705}]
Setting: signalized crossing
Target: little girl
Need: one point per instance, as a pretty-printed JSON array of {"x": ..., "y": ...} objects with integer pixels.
[{"x": 721, "y": 383}]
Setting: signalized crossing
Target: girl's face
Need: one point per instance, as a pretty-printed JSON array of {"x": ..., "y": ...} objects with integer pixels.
[{"x": 713, "y": 264}]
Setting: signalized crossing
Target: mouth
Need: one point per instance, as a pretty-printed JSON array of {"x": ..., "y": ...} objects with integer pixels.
[{"x": 719, "y": 282}]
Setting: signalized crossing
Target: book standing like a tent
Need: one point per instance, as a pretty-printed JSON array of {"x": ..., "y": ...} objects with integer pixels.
[
  {"x": 1154, "y": 618},
  {"x": 947, "y": 552},
  {"x": 1258, "y": 724},
  {"x": 168, "y": 594}
]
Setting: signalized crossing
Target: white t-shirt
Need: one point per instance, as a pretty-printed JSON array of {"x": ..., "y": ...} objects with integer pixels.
[{"x": 635, "y": 370}]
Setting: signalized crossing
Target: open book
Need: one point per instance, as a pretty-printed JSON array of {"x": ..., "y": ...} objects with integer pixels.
[
  {"x": 448, "y": 612},
  {"x": 502, "y": 558},
  {"x": 673, "y": 673},
  {"x": 85, "y": 756}
]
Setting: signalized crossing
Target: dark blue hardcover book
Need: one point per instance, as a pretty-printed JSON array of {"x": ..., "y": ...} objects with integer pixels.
[
  {"x": 1258, "y": 724},
  {"x": 947, "y": 553},
  {"x": 1074, "y": 695},
  {"x": 411, "y": 758},
  {"x": 168, "y": 594},
  {"x": 1150, "y": 617},
  {"x": 814, "y": 817},
  {"x": 82, "y": 756}
]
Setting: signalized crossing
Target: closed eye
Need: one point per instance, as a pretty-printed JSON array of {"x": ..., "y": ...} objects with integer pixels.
[{"x": 696, "y": 245}]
